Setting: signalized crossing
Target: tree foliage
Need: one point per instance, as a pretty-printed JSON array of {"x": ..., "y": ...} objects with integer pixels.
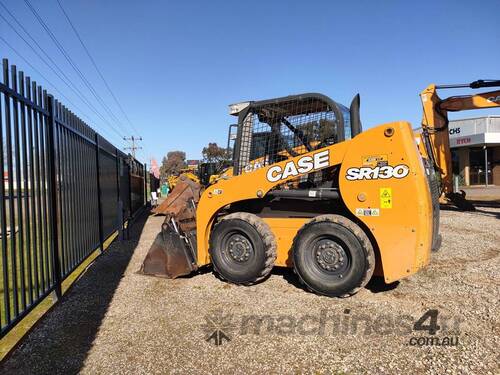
[
  {"x": 319, "y": 131},
  {"x": 214, "y": 153},
  {"x": 172, "y": 163}
]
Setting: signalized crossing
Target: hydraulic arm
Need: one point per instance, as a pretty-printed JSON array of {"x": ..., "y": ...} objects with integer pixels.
[{"x": 435, "y": 126}]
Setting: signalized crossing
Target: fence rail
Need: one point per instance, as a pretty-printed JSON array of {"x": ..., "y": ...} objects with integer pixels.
[{"x": 65, "y": 189}]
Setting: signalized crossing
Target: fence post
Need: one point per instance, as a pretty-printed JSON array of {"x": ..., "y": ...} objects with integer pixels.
[
  {"x": 52, "y": 194},
  {"x": 117, "y": 175},
  {"x": 145, "y": 195},
  {"x": 99, "y": 205},
  {"x": 129, "y": 171},
  {"x": 119, "y": 215}
]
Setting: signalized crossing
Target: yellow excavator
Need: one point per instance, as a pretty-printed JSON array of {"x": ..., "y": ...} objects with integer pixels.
[
  {"x": 435, "y": 142},
  {"x": 307, "y": 189},
  {"x": 186, "y": 172}
]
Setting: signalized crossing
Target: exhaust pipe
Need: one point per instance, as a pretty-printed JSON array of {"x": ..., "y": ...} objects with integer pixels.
[{"x": 356, "y": 127}]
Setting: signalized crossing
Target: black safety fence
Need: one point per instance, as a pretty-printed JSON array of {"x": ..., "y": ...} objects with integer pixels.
[
  {"x": 65, "y": 190},
  {"x": 154, "y": 183}
]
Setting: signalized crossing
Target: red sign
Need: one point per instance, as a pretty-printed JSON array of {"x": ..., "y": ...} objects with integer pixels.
[
  {"x": 192, "y": 163},
  {"x": 463, "y": 141}
]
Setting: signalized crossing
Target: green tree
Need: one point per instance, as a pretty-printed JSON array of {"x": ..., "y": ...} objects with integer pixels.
[
  {"x": 172, "y": 163},
  {"x": 214, "y": 154}
]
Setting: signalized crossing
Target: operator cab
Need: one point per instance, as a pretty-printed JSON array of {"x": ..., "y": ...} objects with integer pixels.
[{"x": 270, "y": 131}]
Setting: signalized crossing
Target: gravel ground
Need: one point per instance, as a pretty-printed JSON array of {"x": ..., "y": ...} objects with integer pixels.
[{"x": 116, "y": 321}]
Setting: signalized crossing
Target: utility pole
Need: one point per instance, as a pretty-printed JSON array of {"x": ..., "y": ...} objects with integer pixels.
[{"x": 134, "y": 144}]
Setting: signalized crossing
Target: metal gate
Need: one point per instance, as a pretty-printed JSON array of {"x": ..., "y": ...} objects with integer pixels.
[{"x": 65, "y": 189}]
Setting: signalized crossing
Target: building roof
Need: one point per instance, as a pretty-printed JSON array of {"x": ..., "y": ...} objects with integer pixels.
[{"x": 475, "y": 118}]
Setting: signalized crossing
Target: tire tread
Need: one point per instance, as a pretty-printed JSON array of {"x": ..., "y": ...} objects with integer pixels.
[
  {"x": 267, "y": 236},
  {"x": 359, "y": 233}
]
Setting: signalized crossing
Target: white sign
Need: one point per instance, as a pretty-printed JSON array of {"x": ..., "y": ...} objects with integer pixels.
[
  {"x": 385, "y": 172},
  {"x": 305, "y": 164}
]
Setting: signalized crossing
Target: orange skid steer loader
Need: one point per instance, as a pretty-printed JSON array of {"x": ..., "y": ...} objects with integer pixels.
[{"x": 307, "y": 189}]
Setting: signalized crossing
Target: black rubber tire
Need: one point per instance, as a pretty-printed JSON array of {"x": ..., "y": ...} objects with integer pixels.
[
  {"x": 257, "y": 234},
  {"x": 356, "y": 270}
]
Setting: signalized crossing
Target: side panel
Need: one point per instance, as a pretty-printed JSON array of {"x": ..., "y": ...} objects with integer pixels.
[
  {"x": 383, "y": 182},
  {"x": 285, "y": 230}
]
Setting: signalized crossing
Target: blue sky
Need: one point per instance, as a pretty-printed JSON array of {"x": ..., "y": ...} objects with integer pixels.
[{"x": 175, "y": 66}]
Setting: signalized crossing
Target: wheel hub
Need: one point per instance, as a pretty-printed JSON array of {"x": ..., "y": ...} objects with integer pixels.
[
  {"x": 330, "y": 256},
  {"x": 239, "y": 248}
]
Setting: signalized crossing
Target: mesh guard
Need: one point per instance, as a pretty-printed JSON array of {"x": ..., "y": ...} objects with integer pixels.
[{"x": 270, "y": 131}]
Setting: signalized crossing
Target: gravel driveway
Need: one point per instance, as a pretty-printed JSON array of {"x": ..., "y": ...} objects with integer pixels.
[{"x": 116, "y": 321}]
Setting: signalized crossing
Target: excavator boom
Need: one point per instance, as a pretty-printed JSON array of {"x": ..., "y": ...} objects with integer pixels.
[{"x": 435, "y": 127}]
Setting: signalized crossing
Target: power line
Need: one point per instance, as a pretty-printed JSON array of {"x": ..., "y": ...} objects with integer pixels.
[
  {"x": 51, "y": 84},
  {"x": 42, "y": 75},
  {"x": 34, "y": 41},
  {"x": 96, "y": 67},
  {"x": 73, "y": 65},
  {"x": 68, "y": 58},
  {"x": 65, "y": 80}
]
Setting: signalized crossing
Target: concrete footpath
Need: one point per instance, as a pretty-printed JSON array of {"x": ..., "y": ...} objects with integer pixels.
[{"x": 482, "y": 192}]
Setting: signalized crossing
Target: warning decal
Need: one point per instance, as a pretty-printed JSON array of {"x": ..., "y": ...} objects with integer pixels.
[
  {"x": 385, "y": 198},
  {"x": 374, "y": 161},
  {"x": 367, "y": 212}
]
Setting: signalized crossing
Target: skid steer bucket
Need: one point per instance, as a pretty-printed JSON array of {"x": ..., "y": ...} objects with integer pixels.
[
  {"x": 169, "y": 256},
  {"x": 173, "y": 252}
]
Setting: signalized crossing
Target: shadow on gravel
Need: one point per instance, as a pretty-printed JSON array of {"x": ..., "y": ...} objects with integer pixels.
[
  {"x": 289, "y": 276},
  {"x": 201, "y": 271},
  {"x": 378, "y": 285},
  {"x": 481, "y": 207},
  {"x": 492, "y": 203},
  {"x": 61, "y": 340}
]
